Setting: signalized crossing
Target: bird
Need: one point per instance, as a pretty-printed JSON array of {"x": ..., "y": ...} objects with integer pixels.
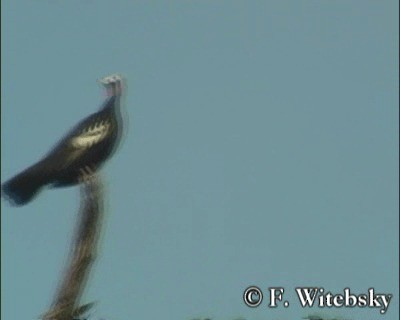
[{"x": 79, "y": 154}]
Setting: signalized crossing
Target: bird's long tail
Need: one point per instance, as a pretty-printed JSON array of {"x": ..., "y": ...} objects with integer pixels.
[{"x": 22, "y": 188}]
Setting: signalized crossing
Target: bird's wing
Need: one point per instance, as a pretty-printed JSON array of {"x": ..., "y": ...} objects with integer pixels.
[
  {"x": 90, "y": 135},
  {"x": 86, "y": 139},
  {"x": 75, "y": 144}
]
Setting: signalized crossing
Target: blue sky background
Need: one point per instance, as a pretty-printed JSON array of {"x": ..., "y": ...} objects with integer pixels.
[{"x": 262, "y": 149}]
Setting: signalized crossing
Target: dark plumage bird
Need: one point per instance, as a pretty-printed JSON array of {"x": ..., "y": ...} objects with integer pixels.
[{"x": 78, "y": 155}]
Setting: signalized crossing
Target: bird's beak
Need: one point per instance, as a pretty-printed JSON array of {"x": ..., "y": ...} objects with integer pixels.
[{"x": 103, "y": 81}]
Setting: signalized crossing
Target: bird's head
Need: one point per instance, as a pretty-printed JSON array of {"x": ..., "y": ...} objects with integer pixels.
[{"x": 113, "y": 83}]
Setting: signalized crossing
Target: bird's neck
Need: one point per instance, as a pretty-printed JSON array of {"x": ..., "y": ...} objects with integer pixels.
[
  {"x": 115, "y": 89},
  {"x": 112, "y": 102}
]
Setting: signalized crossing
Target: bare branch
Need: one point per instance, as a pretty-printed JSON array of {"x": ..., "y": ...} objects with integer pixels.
[{"x": 66, "y": 304}]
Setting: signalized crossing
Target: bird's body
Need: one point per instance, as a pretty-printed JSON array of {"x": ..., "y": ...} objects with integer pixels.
[{"x": 78, "y": 155}]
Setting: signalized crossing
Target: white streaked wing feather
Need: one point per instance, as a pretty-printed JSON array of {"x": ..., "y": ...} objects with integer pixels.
[{"x": 91, "y": 136}]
